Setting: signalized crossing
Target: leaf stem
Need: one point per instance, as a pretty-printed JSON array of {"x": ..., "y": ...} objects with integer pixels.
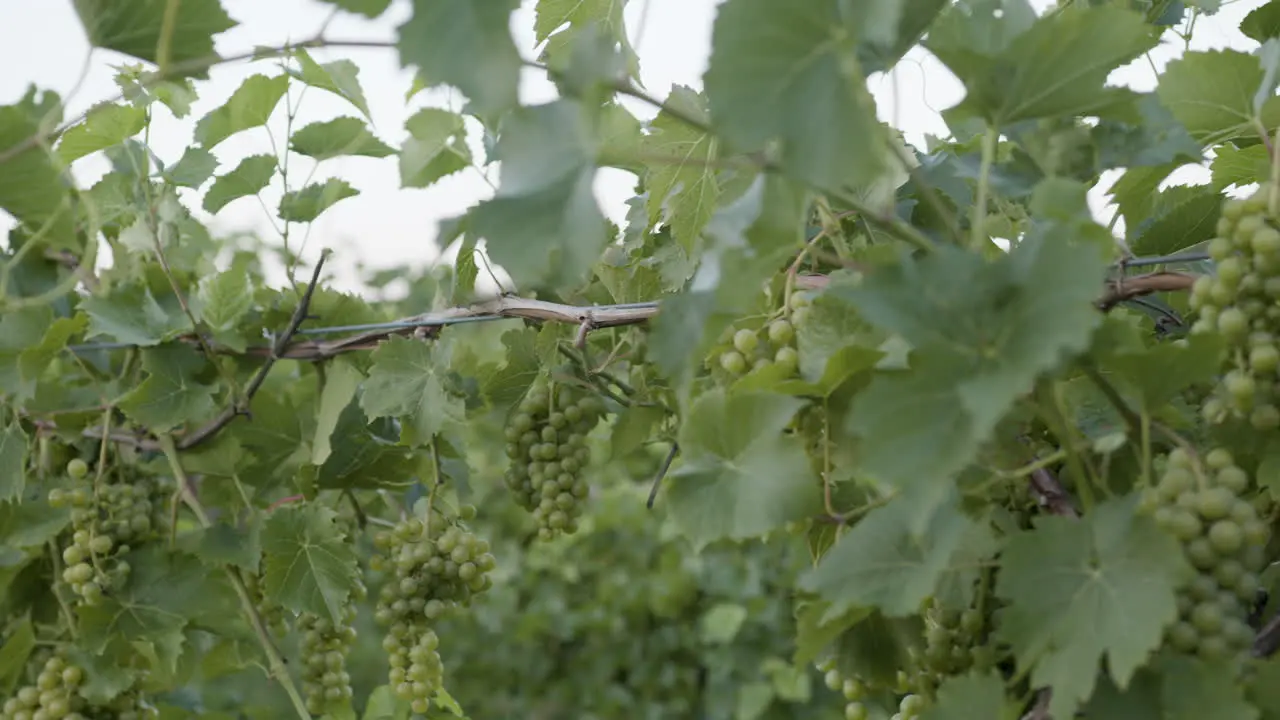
[
  {"x": 1273, "y": 198},
  {"x": 978, "y": 231},
  {"x": 168, "y": 25},
  {"x": 278, "y": 670}
]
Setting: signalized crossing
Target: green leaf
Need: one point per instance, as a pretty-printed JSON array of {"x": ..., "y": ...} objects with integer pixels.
[
  {"x": 467, "y": 44},
  {"x": 31, "y": 185},
  {"x": 1186, "y": 216},
  {"x": 769, "y": 58},
  {"x": 306, "y": 204},
  {"x": 31, "y": 523},
  {"x": 740, "y": 477},
  {"x": 505, "y": 385},
  {"x": 340, "y": 77},
  {"x": 436, "y": 147},
  {"x": 1058, "y": 66},
  {"x": 248, "y": 107},
  {"x": 883, "y": 563},
  {"x": 680, "y": 163},
  {"x": 721, "y": 623},
  {"x": 982, "y": 332},
  {"x": 1211, "y": 93},
  {"x": 223, "y": 299},
  {"x": 14, "y": 653},
  {"x": 106, "y": 125},
  {"x": 368, "y": 8},
  {"x": 164, "y": 592},
  {"x": 309, "y": 566},
  {"x": 544, "y": 226},
  {"x": 132, "y": 315},
  {"x": 13, "y": 463},
  {"x": 407, "y": 380},
  {"x": 1082, "y": 589},
  {"x": 975, "y": 695},
  {"x": 224, "y": 544},
  {"x": 192, "y": 169},
  {"x": 171, "y": 395},
  {"x": 634, "y": 428},
  {"x": 250, "y": 177},
  {"x": 1157, "y": 139},
  {"x": 1240, "y": 166},
  {"x": 337, "y": 137},
  {"x": 888, "y": 29},
  {"x": 1263, "y": 23},
  {"x": 384, "y": 705},
  {"x": 1193, "y": 689},
  {"x": 135, "y": 27},
  {"x": 340, "y": 385}
]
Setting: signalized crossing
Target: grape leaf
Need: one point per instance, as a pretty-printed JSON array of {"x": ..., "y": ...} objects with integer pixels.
[
  {"x": 1193, "y": 689},
  {"x": 171, "y": 395},
  {"x": 982, "y": 333},
  {"x": 31, "y": 523},
  {"x": 135, "y": 27},
  {"x": 306, "y": 204},
  {"x": 131, "y": 314},
  {"x": 105, "y": 125},
  {"x": 467, "y": 44},
  {"x": 768, "y": 58},
  {"x": 975, "y": 695},
  {"x": 337, "y": 137},
  {"x": 1081, "y": 589},
  {"x": 223, "y": 299},
  {"x": 634, "y": 427},
  {"x": 1057, "y": 66},
  {"x": 309, "y": 566},
  {"x": 680, "y": 163},
  {"x": 1263, "y": 22},
  {"x": 250, "y": 177},
  {"x": 14, "y": 653},
  {"x": 369, "y": 8},
  {"x": 1139, "y": 701},
  {"x": 164, "y": 592},
  {"x": 31, "y": 187},
  {"x": 223, "y": 544},
  {"x": 882, "y": 563},
  {"x": 340, "y": 77},
  {"x": 1158, "y": 139},
  {"x": 34, "y": 360},
  {"x": 1239, "y": 166},
  {"x": 1191, "y": 217},
  {"x": 505, "y": 385},
  {"x": 544, "y": 226},
  {"x": 1211, "y": 93},
  {"x": 13, "y": 463},
  {"x": 340, "y": 385},
  {"x": 407, "y": 381},
  {"x": 436, "y": 147},
  {"x": 740, "y": 477},
  {"x": 192, "y": 169},
  {"x": 248, "y": 107}
]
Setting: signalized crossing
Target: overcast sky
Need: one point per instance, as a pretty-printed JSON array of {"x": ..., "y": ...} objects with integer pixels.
[{"x": 42, "y": 42}]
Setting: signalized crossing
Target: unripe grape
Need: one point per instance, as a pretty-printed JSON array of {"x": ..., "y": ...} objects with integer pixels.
[
  {"x": 77, "y": 469},
  {"x": 745, "y": 341},
  {"x": 733, "y": 362}
]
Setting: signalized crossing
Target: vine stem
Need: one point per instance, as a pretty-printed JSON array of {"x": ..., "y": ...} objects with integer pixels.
[
  {"x": 1273, "y": 198},
  {"x": 278, "y": 670},
  {"x": 978, "y": 233}
]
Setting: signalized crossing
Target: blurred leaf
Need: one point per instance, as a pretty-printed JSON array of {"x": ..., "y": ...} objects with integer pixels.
[
  {"x": 1213, "y": 111},
  {"x": 337, "y": 137},
  {"x": 306, "y": 204},
  {"x": 135, "y": 27},
  {"x": 467, "y": 44},
  {"x": 192, "y": 169},
  {"x": 13, "y": 463},
  {"x": 436, "y": 147},
  {"x": 106, "y": 125}
]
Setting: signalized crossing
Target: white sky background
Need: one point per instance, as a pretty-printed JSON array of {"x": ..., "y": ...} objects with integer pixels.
[{"x": 41, "y": 42}]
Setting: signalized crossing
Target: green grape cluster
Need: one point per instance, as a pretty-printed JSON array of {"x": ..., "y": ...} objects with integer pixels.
[
  {"x": 432, "y": 571},
  {"x": 324, "y": 646},
  {"x": 108, "y": 518},
  {"x": 1223, "y": 539},
  {"x": 954, "y": 643},
  {"x": 272, "y": 614},
  {"x": 1239, "y": 303},
  {"x": 54, "y": 696},
  {"x": 743, "y": 349},
  {"x": 856, "y": 690},
  {"x": 547, "y": 444}
]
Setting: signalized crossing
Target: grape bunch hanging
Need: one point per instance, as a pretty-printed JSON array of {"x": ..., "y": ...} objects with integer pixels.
[
  {"x": 324, "y": 646},
  {"x": 1222, "y": 537},
  {"x": 742, "y": 349},
  {"x": 109, "y": 517},
  {"x": 547, "y": 444},
  {"x": 54, "y": 695},
  {"x": 432, "y": 569}
]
